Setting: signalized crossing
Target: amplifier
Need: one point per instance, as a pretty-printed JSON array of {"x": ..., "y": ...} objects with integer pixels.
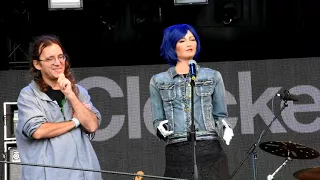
[{"x": 14, "y": 170}]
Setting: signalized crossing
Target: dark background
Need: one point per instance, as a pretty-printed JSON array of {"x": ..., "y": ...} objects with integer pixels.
[{"x": 114, "y": 32}]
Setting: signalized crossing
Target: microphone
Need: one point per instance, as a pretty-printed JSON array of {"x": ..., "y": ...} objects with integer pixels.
[
  {"x": 193, "y": 69},
  {"x": 286, "y": 96}
]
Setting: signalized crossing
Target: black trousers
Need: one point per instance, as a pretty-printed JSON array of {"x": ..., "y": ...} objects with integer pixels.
[{"x": 212, "y": 162}]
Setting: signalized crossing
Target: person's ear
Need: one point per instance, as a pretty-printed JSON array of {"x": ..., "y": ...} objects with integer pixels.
[{"x": 36, "y": 64}]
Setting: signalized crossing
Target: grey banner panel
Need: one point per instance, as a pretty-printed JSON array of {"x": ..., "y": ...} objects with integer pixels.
[{"x": 125, "y": 141}]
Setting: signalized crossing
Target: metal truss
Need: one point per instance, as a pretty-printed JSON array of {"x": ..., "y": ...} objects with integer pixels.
[{"x": 16, "y": 22}]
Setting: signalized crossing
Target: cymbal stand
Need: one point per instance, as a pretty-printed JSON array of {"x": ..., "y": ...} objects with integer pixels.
[
  {"x": 270, "y": 177},
  {"x": 253, "y": 147}
]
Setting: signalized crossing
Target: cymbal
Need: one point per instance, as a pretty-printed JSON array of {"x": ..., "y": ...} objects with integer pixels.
[
  {"x": 289, "y": 149},
  {"x": 308, "y": 174}
]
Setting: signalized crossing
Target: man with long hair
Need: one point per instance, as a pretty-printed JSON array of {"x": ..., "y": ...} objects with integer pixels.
[{"x": 57, "y": 119}]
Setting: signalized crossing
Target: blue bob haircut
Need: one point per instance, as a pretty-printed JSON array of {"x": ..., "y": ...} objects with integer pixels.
[{"x": 171, "y": 36}]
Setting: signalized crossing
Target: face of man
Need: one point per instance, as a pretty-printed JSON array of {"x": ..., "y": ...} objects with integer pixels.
[{"x": 51, "y": 63}]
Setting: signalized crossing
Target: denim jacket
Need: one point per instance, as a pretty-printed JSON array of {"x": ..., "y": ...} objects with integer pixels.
[{"x": 170, "y": 95}]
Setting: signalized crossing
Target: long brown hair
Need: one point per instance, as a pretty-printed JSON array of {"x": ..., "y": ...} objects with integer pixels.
[{"x": 36, "y": 48}]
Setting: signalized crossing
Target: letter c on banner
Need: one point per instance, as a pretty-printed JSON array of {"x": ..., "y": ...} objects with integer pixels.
[{"x": 115, "y": 91}]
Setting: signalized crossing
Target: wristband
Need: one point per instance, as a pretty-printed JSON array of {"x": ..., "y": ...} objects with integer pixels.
[{"x": 76, "y": 122}]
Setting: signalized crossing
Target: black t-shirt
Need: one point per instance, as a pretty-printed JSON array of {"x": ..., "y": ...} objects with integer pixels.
[{"x": 55, "y": 95}]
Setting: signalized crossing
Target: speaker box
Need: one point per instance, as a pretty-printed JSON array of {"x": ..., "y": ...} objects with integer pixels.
[{"x": 14, "y": 170}]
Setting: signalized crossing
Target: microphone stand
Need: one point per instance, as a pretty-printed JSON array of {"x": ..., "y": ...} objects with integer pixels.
[
  {"x": 253, "y": 147},
  {"x": 192, "y": 133}
]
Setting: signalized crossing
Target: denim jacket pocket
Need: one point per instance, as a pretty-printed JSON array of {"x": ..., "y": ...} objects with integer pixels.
[
  {"x": 167, "y": 91},
  {"x": 204, "y": 88}
]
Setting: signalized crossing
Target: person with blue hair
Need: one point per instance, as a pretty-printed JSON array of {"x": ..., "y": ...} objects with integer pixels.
[{"x": 170, "y": 94}]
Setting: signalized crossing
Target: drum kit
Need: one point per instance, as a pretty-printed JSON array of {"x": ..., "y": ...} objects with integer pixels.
[{"x": 291, "y": 151}]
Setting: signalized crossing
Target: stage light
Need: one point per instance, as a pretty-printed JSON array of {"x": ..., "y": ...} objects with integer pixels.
[
  {"x": 190, "y": 2},
  {"x": 65, "y": 4},
  {"x": 228, "y": 12}
]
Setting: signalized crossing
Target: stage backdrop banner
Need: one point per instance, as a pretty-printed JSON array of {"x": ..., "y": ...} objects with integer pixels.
[{"x": 126, "y": 142}]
